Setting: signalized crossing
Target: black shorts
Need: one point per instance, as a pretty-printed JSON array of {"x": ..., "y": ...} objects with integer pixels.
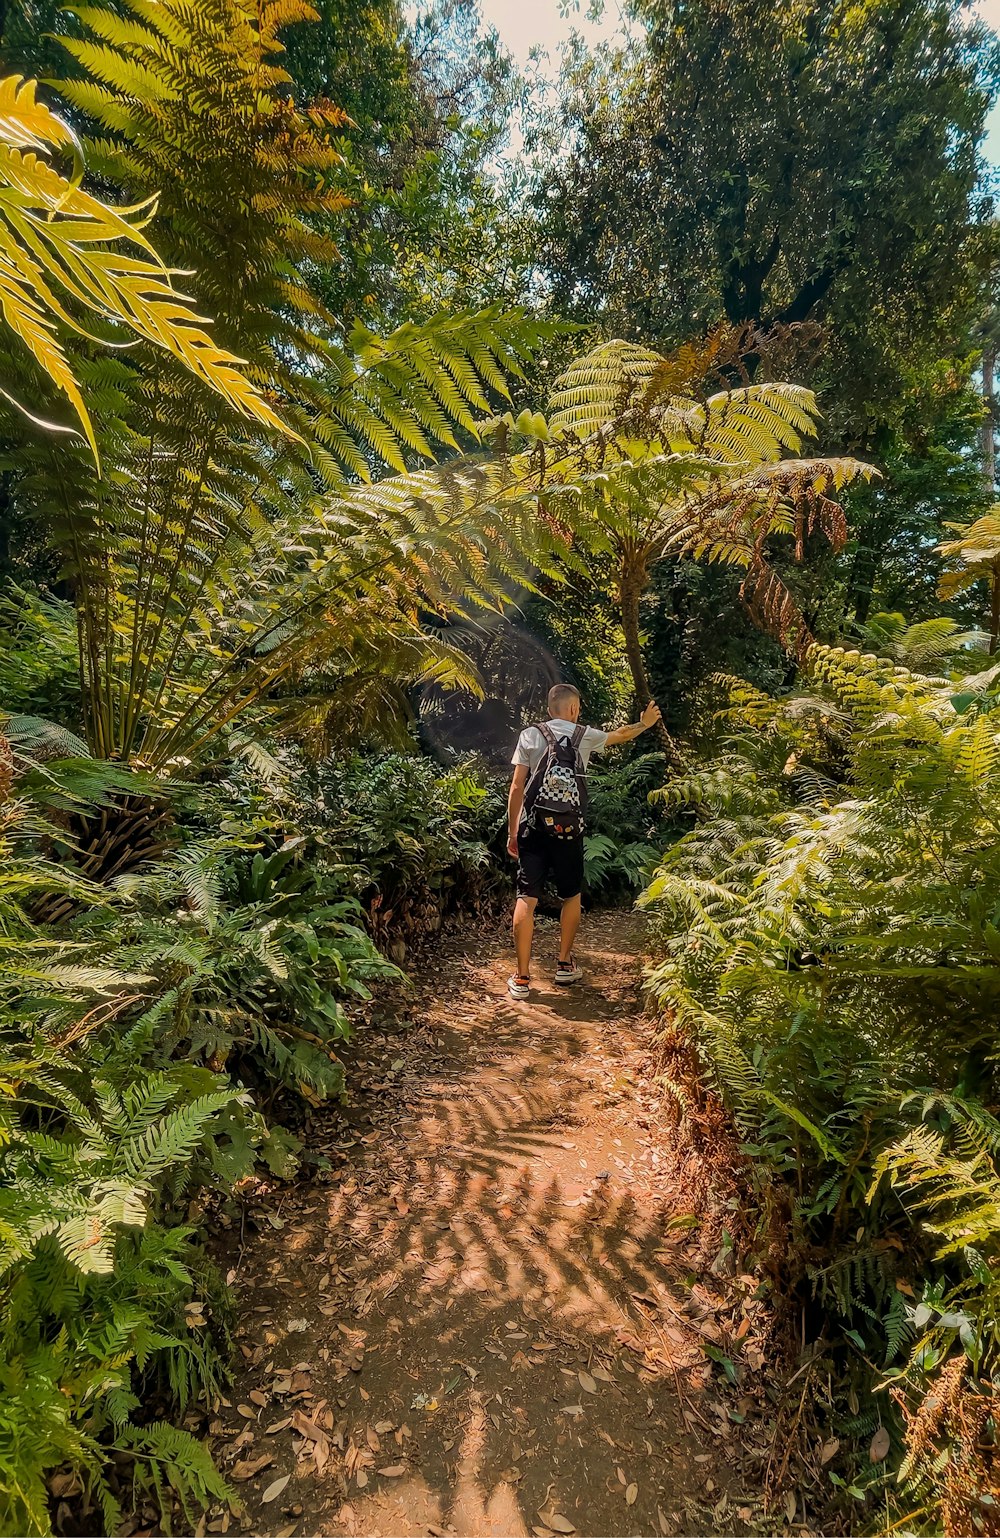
[{"x": 540, "y": 856}]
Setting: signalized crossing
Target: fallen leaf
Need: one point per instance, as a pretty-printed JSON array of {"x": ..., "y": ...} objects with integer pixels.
[
  {"x": 587, "y": 1383},
  {"x": 790, "y": 1505},
  {"x": 296, "y": 1326},
  {"x": 286, "y": 1532},
  {"x": 603, "y": 1375},
  {"x": 829, "y": 1450},
  {"x": 362, "y": 1479},
  {"x": 662, "y": 1519},
  {"x": 246, "y": 1410},
  {"x": 258, "y": 1396},
  {"x": 246, "y": 1468},
  {"x": 307, "y": 1428},
  {"x": 275, "y": 1488},
  {"x": 270, "y": 1431},
  {"x": 881, "y": 1442},
  {"x": 393, "y": 1470},
  {"x": 632, "y": 1494},
  {"x": 556, "y": 1521},
  {"x": 371, "y": 1437}
]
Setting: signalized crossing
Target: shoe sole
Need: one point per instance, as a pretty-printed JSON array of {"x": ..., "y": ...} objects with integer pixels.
[{"x": 567, "y": 982}]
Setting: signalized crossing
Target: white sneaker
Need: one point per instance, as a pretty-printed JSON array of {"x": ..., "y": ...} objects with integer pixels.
[
  {"x": 517, "y": 988},
  {"x": 568, "y": 972}
]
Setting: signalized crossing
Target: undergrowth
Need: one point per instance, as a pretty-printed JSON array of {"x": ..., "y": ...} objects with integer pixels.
[
  {"x": 158, "y": 1043},
  {"x": 828, "y": 935}
]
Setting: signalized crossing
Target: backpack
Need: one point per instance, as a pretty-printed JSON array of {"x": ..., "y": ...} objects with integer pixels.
[{"x": 556, "y": 795}]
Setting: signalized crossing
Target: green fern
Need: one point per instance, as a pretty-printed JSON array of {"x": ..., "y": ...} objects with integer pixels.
[{"x": 831, "y": 941}]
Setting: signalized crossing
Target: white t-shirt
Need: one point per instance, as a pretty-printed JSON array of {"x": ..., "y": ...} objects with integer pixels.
[{"x": 531, "y": 747}]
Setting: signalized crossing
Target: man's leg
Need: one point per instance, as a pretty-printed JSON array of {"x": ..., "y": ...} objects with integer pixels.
[
  {"x": 524, "y": 928},
  {"x": 569, "y": 923}
]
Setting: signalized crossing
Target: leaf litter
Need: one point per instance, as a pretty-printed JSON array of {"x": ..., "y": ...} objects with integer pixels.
[{"x": 658, "y": 1387}]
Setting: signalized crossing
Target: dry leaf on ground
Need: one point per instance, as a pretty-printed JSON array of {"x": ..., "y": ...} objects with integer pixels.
[{"x": 556, "y": 1522}]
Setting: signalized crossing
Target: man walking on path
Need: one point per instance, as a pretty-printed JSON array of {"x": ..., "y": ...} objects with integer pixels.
[{"x": 545, "y": 822}]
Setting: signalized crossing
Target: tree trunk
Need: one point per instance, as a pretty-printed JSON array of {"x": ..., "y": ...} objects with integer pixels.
[
  {"x": 989, "y": 419},
  {"x": 630, "y": 588}
]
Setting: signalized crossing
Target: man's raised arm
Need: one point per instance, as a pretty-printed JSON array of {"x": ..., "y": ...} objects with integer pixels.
[{"x": 649, "y": 717}]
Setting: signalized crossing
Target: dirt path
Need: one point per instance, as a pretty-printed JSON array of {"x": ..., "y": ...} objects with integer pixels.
[{"x": 490, "y": 1314}]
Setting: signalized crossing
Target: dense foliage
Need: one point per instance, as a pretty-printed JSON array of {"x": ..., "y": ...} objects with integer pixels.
[
  {"x": 156, "y": 1046},
  {"x": 812, "y": 173},
  {"x": 267, "y": 295},
  {"x": 829, "y": 936}
]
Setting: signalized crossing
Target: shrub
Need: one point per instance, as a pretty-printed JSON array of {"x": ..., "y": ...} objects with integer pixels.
[{"x": 625, "y": 834}]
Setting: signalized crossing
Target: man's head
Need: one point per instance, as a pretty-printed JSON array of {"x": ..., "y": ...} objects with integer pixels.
[{"x": 564, "y": 702}]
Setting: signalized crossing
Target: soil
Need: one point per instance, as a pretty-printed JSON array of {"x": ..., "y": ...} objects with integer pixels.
[{"x": 507, "y": 1305}]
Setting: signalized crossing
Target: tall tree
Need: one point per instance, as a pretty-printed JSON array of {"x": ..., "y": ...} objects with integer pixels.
[
  {"x": 812, "y": 170},
  {"x": 428, "y": 100},
  {"x": 773, "y": 163}
]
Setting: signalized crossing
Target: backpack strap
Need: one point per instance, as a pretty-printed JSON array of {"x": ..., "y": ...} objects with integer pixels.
[
  {"x": 548, "y": 735},
  {"x": 579, "y": 733}
]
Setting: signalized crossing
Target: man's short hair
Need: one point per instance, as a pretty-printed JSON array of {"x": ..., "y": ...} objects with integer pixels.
[{"x": 560, "y": 695}]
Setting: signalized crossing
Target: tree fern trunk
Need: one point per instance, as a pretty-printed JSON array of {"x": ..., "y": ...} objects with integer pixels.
[
  {"x": 630, "y": 590},
  {"x": 989, "y": 421},
  {"x": 110, "y": 843}
]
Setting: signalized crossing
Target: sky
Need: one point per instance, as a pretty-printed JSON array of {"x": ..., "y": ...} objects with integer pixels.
[{"x": 525, "y": 24}]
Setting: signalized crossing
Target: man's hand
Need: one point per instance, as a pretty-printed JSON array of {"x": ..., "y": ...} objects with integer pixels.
[
  {"x": 512, "y": 845},
  {"x": 649, "y": 717}
]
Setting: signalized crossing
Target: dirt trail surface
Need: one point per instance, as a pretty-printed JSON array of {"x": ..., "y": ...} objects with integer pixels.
[{"x": 490, "y": 1314}]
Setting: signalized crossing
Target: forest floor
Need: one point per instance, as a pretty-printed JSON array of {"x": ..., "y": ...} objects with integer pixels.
[{"x": 504, "y": 1306}]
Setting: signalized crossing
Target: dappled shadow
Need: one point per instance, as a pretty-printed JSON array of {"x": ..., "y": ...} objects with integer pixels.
[{"x": 489, "y": 1302}]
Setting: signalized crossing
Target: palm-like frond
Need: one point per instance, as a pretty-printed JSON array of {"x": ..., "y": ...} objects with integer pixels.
[
  {"x": 208, "y": 566},
  {"x": 61, "y": 246},
  {"x": 707, "y": 478},
  {"x": 973, "y": 554}
]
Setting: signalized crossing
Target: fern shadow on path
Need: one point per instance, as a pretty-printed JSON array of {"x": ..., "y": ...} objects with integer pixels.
[{"x": 491, "y": 1317}]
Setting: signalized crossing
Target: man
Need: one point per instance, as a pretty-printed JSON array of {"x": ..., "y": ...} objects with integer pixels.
[{"x": 541, "y": 853}]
